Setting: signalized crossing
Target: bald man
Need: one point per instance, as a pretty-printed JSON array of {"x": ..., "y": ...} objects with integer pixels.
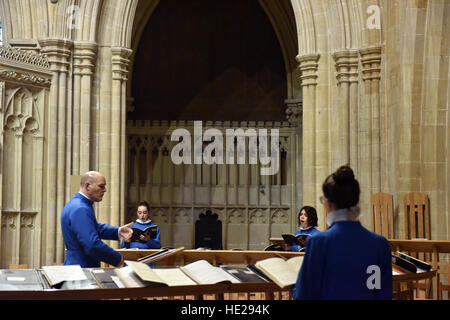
[{"x": 82, "y": 233}]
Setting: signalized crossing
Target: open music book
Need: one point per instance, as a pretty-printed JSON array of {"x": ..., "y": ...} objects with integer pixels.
[
  {"x": 205, "y": 273},
  {"x": 56, "y": 275},
  {"x": 138, "y": 274},
  {"x": 292, "y": 240},
  {"x": 281, "y": 271},
  {"x": 137, "y": 232}
]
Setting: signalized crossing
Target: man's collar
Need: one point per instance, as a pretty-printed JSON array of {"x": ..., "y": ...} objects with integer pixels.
[{"x": 85, "y": 196}]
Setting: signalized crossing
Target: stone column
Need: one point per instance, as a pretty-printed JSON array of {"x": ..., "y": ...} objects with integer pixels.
[
  {"x": 370, "y": 125},
  {"x": 345, "y": 140},
  {"x": 294, "y": 112},
  {"x": 120, "y": 61},
  {"x": 58, "y": 52},
  {"x": 308, "y": 65},
  {"x": 84, "y": 63}
]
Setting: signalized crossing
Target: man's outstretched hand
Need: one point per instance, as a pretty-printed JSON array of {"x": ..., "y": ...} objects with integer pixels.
[{"x": 126, "y": 232}]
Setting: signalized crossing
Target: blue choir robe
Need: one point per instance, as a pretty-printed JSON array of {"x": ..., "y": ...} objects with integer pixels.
[
  {"x": 150, "y": 244},
  {"x": 310, "y": 231},
  {"x": 82, "y": 235},
  {"x": 337, "y": 264}
]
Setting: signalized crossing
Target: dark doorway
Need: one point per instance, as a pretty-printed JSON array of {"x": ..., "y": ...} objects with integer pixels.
[{"x": 209, "y": 60}]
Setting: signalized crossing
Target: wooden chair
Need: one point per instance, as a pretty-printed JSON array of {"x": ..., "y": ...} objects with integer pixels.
[
  {"x": 417, "y": 218},
  {"x": 417, "y": 226},
  {"x": 18, "y": 266},
  {"x": 382, "y": 208}
]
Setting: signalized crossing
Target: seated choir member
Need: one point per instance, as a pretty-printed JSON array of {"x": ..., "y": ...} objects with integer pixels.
[
  {"x": 307, "y": 220},
  {"x": 143, "y": 221},
  {"x": 347, "y": 261}
]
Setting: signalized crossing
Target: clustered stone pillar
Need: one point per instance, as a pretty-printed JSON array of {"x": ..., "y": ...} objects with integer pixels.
[
  {"x": 83, "y": 68},
  {"x": 370, "y": 124},
  {"x": 120, "y": 62},
  {"x": 308, "y": 65},
  {"x": 345, "y": 140},
  {"x": 58, "y": 119}
]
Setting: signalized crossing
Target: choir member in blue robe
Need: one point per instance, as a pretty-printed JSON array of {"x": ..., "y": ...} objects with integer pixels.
[
  {"x": 307, "y": 220},
  {"x": 143, "y": 221},
  {"x": 82, "y": 233},
  {"x": 347, "y": 261}
]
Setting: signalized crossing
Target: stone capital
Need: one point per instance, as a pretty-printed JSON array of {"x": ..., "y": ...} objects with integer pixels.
[
  {"x": 371, "y": 62},
  {"x": 84, "y": 54},
  {"x": 308, "y": 65},
  {"x": 346, "y": 63},
  {"x": 120, "y": 61},
  {"x": 58, "y": 52}
]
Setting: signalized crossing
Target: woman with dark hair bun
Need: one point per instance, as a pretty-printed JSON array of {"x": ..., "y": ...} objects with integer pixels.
[
  {"x": 307, "y": 220},
  {"x": 347, "y": 261}
]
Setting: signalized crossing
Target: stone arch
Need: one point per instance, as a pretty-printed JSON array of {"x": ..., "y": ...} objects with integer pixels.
[{"x": 279, "y": 13}]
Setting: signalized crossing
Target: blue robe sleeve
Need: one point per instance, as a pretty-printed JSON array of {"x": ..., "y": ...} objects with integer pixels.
[
  {"x": 87, "y": 231},
  {"x": 309, "y": 281},
  {"x": 107, "y": 232}
]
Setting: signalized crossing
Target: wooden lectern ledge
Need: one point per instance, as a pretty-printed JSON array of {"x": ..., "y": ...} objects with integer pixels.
[{"x": 237, "y": 257}]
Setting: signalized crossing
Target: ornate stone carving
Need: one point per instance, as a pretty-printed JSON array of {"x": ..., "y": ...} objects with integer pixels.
[
  {"x": 280, "y": 216},
  {"x": 293, "y": 110},
  {"x": 9, "y": 220},
  {"x": 20, "y": 119},
  {"x": 258, "y": 216},
  {"x": 27, "y": 220},
  {"x": 236, "y": 216},
  {"x": 24, "y": 57},
  {"x": 24, "y": 77},
  {"x": 182, "y": 216}
]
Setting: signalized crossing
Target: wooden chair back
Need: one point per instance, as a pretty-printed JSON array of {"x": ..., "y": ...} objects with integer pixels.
[
  {"x": 18, "y": 266},
  {"x": 382, "y": 209},
  {"x": 417, "y": 216}
]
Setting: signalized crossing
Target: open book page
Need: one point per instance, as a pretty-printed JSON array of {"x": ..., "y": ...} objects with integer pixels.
[
  {"x": 295, "y": 263},
  {"x": 144, "y": 272},
  {"x": 58, "y": 274},
  {"x": 203, "y": 272},
  {"x": 283, "y": 273},
  {"x": 174, "y": 277},
  {"x": 88, "y": 283},
  {"x": 128, "y": 278}
]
